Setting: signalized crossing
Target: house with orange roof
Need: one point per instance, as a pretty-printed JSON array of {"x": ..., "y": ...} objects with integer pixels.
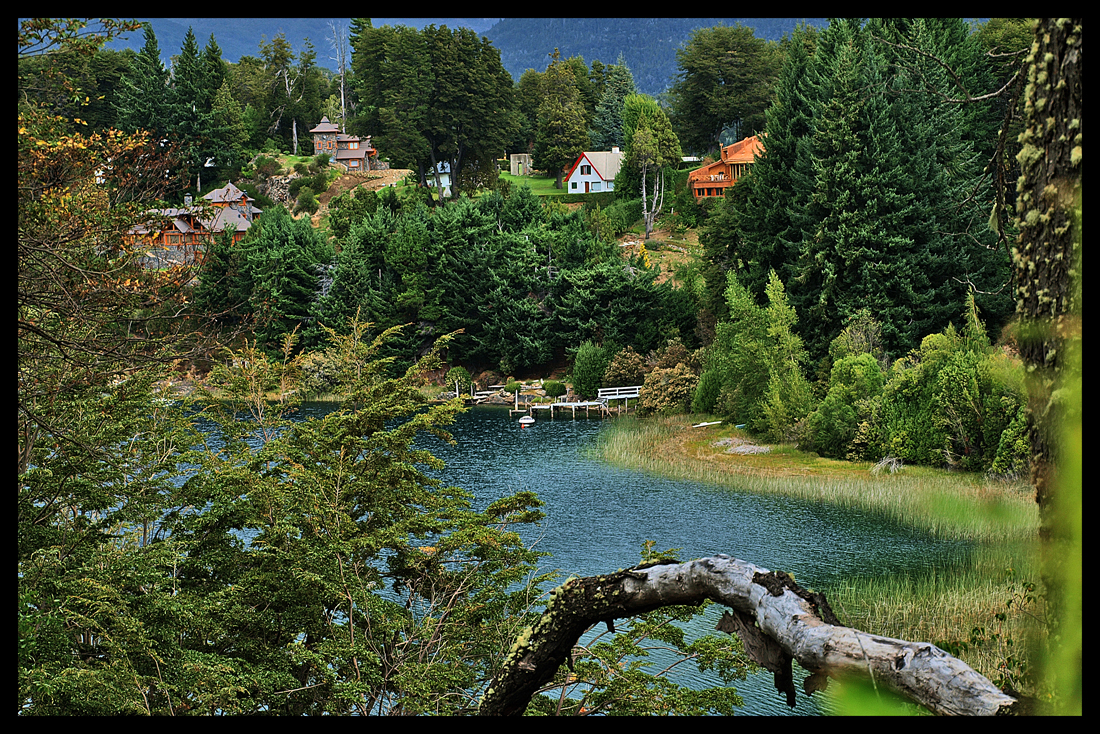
[
  {"x": 594, "y": 171},
  {"x": 733, "y": 162}
]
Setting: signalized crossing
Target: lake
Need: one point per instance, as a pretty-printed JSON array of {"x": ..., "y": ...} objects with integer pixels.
[{"x": 598, "y": 515}]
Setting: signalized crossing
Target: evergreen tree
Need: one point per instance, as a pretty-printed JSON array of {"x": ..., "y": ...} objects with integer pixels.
[
  {"x": 723, "y": 87},
  {"x": 142, "y": 102},
  {"x": 402, "y": 94},
  {"x": 190, "y": 103},
  {"x": 282, "y": 267},
  {"x": 562, "y": 132},
  {"x": 788, "y": 397},
  {"x": 838, "y": 204},
  {"x": 607, "y": 125},
  {"x": 763, "y": 222}
]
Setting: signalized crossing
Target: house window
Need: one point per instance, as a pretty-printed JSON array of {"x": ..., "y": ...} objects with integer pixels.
[
  {"x": 586, "y": 170},
  {"x": 573, "y": 185},
  {"x": 596, "y": 186},
  {"x": 353, "y": 146}
]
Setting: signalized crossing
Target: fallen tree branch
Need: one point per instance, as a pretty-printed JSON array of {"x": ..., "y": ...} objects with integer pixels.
[{"x": 777, "y": 620}]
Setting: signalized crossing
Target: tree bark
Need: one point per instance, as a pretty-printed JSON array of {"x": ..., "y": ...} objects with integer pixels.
[
  {"x": 1045, "y": 257},
  {"x": 1047, "y": 267},
  {"x": 778, "y": 621}
]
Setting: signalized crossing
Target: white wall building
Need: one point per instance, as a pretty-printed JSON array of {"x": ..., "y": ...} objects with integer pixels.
[{"x": 594, "y": 171}]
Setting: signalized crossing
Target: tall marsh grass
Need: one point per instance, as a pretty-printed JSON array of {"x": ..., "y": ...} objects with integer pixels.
[
  {"x": 984, "y": 612},
  {"x": 967, "y": 608},
  {"x": 945, "y": 504}
]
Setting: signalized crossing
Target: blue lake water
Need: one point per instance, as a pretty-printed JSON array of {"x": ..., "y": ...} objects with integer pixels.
[{"x": 597, "y": 517}]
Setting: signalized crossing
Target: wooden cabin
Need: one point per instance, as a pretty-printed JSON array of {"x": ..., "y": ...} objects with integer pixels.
[
  {"x": 175, "y": 235},
  {"x": 346, "y": 151},
  {"x": 734, "y": 160}
]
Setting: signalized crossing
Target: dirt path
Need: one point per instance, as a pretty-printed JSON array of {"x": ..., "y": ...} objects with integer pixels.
[{"x": 372, "y": 181}]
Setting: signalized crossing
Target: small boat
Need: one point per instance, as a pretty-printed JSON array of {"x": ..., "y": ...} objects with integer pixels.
[{"x": 526, "y": 421}]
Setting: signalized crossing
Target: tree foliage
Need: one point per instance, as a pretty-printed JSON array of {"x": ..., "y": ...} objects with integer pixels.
[
  {"x": 724, "y": 82},
  {"x": 562, "y": 129}
]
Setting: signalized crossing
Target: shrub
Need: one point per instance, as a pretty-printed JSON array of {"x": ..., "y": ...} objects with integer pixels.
[
  {"x": 627, "y": 368},
  {"x": 706, "y": 392},
  {"x": 460, "y": 375},
  {"x": 513, "y": 386},
  {"x": 307, "y": 201},
  {"x": 589, "y": 366},
  {"x": 674, "y": 353},
  {"x": 266, "y": 167},
  {"x": 554, "y": 389},
  {"x": 831, "y": 429},
  {"x": 320, "y": 374},
  {"x": 667, "y": 390}
]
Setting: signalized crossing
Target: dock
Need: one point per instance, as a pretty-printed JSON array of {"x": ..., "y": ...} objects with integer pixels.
[
  {"x": 572, "y": 407},
  {"x": 602, "y": 404}
]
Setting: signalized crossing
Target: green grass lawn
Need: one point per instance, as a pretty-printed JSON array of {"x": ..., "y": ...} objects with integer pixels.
[{"x": 541, "y": 185}]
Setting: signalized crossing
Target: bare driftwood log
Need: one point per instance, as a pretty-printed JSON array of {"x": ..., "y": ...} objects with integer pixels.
[{"x": 777, "y": 620}]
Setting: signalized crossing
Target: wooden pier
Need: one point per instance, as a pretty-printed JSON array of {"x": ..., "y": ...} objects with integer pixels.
[
  {"x": 602, "y": 404},
  {"x": 572, "y": 407}
]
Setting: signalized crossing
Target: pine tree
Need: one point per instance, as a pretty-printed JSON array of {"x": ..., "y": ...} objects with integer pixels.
[
  {"x": 763, "y": 223},
  {"x": 281, "y": 264},
  {"x": 607, "y": 126},
  {"x": 142, "y": 101},
  {"x": 190, "y": 99},
  {"x": 562, "y": 133},
  {"x": 838, "y": 204},
  {"x": 227, "y": 128}
]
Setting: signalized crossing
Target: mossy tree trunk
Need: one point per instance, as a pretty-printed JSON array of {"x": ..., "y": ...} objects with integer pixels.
[{"x": 1047, "y": 269}]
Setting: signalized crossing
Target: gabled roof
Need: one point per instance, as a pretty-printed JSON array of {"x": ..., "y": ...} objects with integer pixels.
[
  {"x": 225, "y": 194},
  {"x": 606, "y": 163},
  {"x": 325, "y": 127},
  {"x": 743, "y": 151}
]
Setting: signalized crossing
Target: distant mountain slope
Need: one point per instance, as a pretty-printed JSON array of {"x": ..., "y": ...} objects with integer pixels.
[
  {"x": 648, "y": 45},
  {"x": 239, "y": 37}
]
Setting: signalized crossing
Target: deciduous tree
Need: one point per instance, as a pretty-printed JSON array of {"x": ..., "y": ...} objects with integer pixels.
[
  {"x": 725, "y": 82},
  {"x": 562, "y": 131}
]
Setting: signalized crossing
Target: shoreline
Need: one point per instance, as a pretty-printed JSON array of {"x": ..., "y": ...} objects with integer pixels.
[
  {"x": 947, "y": 607},
  {"x": 948, "y": 504}
]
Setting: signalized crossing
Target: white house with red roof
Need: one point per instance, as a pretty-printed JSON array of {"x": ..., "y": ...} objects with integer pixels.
[{"x": 594, "y": 171}]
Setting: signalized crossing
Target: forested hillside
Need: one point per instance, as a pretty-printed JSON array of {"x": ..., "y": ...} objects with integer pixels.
[
  {"x": 648, "y": 44},
  {"x": 896, "y": 281}
]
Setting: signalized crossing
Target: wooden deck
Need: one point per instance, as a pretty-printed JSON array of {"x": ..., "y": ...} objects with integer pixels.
[
  {"x": 572, "y": 407},
  {"x": 601, "y": 405}
]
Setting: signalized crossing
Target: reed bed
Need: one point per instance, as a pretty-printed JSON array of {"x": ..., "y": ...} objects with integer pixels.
[
  {"x": 945, "y": 504},
  {"x": 982, "y": 612},
  {"x": 942, "y": 606}
]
